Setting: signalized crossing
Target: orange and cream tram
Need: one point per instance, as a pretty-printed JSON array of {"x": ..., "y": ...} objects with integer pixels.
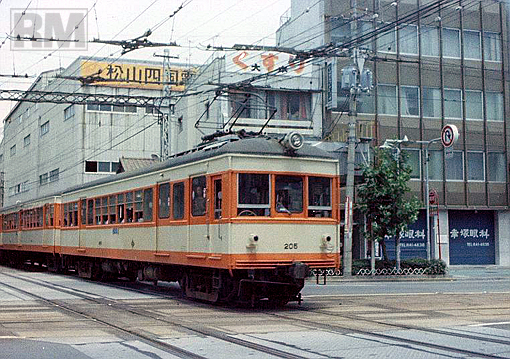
[{"x": 233, "y": 220}]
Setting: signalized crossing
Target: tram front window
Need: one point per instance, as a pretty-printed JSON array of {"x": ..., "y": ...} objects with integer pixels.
[
  {"x": 289, "y": 194},
  {"x": 253, "y": 194},
  {"x": 319, "y": 197}
]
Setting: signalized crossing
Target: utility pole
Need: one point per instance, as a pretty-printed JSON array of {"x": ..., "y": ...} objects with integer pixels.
[
  {"x": 356, "y": 79},
  {"x": 166, "y": 130}
]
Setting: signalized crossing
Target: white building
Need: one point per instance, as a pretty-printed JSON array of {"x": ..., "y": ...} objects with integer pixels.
[
  {"x": 49, "y": 147},
  {"x": 224, "y": 100}
]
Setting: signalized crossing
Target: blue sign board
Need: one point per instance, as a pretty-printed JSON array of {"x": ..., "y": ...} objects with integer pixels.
[
  {"x": 471, "y": 237},
  {"x": 413, "y": 241}
]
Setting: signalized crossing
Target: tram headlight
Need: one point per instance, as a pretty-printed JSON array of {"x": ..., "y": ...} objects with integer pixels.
[
  {"x": 293, "y": 141},
  {"x": 326, "y": 239},
  {"x": 252, "y": 241}
]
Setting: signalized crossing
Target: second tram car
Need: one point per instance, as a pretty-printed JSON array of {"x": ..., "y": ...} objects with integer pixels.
[{"x": 235, "y": 220}]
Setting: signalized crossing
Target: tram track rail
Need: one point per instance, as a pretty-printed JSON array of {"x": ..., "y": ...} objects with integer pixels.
[
  {"x": 280, "y": 315},
  {"x": 345, "y": 329},
  {"x": 113, "y": 304}
]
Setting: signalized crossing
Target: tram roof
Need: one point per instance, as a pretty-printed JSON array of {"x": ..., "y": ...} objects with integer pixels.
[{"x": 262, "y": 146}]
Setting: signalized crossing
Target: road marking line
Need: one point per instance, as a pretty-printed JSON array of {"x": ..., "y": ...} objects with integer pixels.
[{"x": 488, "y": 324}]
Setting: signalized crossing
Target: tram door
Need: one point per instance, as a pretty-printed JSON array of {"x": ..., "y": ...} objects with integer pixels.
[
  {"x": 199, "y": 224},
  {"x": 217, "y": 227}
]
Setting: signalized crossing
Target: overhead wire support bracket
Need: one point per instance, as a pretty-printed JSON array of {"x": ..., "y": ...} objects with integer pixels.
[{"x": 80, "y": 98}]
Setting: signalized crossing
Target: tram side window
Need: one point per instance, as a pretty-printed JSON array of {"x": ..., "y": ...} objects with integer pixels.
[
  {"x": 129, "y": 207},
  {"x": 98, "y": 211},
  {"x": 90, "y": 212},
  {"x": 164, "y": 200},
  {"x": 319, "y": 197},
  {"x": 120, "y": 208},
  {"x": 178, "y": 200},
  {"x": 289, "y": 194},
  {"x": 83, "y": 205},
  {"x": 104, "y": 210},
  {"x": 138, "y": 206},
  {"x": 49, "y": 215},
  {"x": 74, "y": 215},
  {"x": 111, "y": 209},
  {"x": 253, "y": 194},
  {"x": 198, "y": 196},
  {"x": 147, "y": 205}
]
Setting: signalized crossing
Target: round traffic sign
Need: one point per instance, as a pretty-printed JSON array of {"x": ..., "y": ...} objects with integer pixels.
[
  {"x": 449, "y": 135},
  {"x": 433, "y": 196}
]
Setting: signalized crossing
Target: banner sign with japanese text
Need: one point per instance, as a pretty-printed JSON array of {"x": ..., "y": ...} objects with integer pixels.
[
  {"x": 132, "y": 75},
  {"x": 471, "y": 237},
  {"x": 260, "y": 62},
  {"x": 413, "y": 241}
]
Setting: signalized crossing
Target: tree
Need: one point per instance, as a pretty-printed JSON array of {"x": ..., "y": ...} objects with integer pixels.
[{"x": 385, "y": 200}]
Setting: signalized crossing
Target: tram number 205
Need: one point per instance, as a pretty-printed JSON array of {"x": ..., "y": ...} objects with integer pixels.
[{"x": 290, "y": 246}]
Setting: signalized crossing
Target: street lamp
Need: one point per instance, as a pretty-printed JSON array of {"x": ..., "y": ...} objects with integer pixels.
[{"x": 395, "y": 144}]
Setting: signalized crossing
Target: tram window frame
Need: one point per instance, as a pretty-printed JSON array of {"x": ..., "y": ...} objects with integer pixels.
[
  {"x": 104, "y": 210},
  {"x": 148, "y": 205},
  {"x": 254, "y": 194},
  {"x": 285, "y": 196},
  {"x": 49, "y": 215},
  {"x": 198, "y": 200},
  {"x": 97, "y": 207},
  {"x": 178, "y": 200},
  {"x": 138, "y": 206},
  {"x": 121, "y": 206},
  {"x": 164, "y": 200},
  {"x": 322, "y": 206},
  {"x": 129, "y": 205},
  {"x": 83, "y": 205},
  {"x": 112, "y": 209},
  {"x": 90, "y": 212}
]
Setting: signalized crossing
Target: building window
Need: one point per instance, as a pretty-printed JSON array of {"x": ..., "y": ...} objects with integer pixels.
[
  {"x": 474, "y": 105},
  {"x": 455, "y": 166},
  {"x": 387, "y": 99},
  {"x": 431, "y": 102},
  {"x": 98, "y": 166},
  {"x": 365, "y": 103},
  {"x": 45, "y": 128},
  {"x": 436, "y": 165},
  {"x": 290, "y": 105},
  {"x": 387, "y": 41},
  {"x": 408, "y": 39},
  {"x": 492, "y": 46},
  {"x": 43, "y": 179},
  {"x": 26, "y": 141},
  {"x": 69, "y": 113},
  {"x": 429, "y": 41},
  {"x": 452, "y": 103},
  {"x": 111, "y": 108},
  {"x": 413, "y": 160},
  {"x": 475, "y": 166},
  {"x": 451, "y": 43},
  {"x": 472, "y": 45},
  {"x": 13, "y": 150},
  {"x": 54, "y": 175},
  {"x": 494, "y": 106},
  {"x": 409, "y": 101},
  {"x": 496, "y": 166},
  {"x": 103, "y": 166}
]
